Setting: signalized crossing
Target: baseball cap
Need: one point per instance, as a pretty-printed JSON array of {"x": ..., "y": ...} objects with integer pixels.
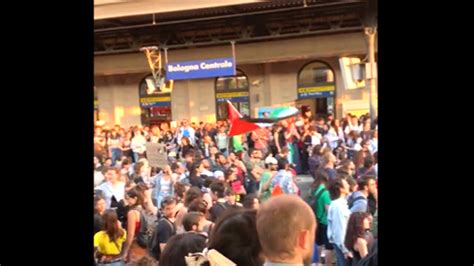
[
  {"x": 218, "y": 173},
  {"x": 271, "y": 160}
]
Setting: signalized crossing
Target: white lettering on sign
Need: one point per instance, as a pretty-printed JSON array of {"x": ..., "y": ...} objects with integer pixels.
[
  {"x": 225, "y": 64},
  {"x": 179, "y": 68},
  {"x": 203, "y": 65}
]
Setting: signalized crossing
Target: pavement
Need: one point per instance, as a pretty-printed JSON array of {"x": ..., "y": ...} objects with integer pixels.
[{"x": 304, "y": 182}]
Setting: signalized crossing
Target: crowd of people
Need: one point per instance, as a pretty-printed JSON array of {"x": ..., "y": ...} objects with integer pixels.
[{"x": 234, "y": 200}]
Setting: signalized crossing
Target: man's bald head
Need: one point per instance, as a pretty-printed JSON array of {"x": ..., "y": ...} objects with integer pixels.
[{"x": 280, "y": 222}]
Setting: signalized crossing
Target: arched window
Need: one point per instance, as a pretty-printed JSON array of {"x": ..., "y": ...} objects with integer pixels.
[
  {"x": 315, "y": 74},
  {"x": 236, "y": 90},
  {"x": 316, "y": 81},
  {"x": 155, "y": 105}
]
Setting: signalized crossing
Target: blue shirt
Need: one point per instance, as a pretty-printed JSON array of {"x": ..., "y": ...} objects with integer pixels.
[{"x": 338, "y": 217}]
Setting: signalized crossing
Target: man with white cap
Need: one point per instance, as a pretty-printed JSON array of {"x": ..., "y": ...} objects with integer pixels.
[
  {"x": 265, "y": 188},
  {"x": 219, "y": 175}
]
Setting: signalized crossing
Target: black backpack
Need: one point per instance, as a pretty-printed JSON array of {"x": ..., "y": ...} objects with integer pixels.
[
  {"x": 148, "y": 223},
  {"x": 312, "y": 199},
  {"x": 153, "y": 245}
]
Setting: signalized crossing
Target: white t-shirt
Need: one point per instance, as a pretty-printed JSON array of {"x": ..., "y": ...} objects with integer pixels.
[
  {"x": 138, "y": 144},
  {"x": 316, "y": 139},
  {"x": 165, "y": 187},
  {"x": 221, "y": 141}
]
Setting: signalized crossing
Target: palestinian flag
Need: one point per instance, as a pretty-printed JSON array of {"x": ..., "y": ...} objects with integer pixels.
[{"x": 240, "y": 125}]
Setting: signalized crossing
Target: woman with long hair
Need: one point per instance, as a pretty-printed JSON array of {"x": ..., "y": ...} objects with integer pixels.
[
  {"x": 194, "y": 177},
  {"x": 141, "y": 172},
  {"x": 99, "y": 209},
  {"x": 126, "y": 145},
  {"x": 133, "y": 251},
  {"x": 108, "y": 242},
  {"x": 163, "y": 185},
  {"x": 185, "y": 147},
  {"x": 279, "y": 137},
  {"x": 359, "y": 238},
  {"x": 292, "y": 137},
  {"x": 306, "y": 114},
  {"x": 335, "y": 134}
]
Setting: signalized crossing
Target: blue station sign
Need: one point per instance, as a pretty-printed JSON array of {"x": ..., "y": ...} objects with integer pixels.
[{"x": 218, "y": 67}]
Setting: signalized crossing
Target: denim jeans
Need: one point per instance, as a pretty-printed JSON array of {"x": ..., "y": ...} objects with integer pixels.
[
  {"x": 116, "y": 153},
  {"x": 136, "y": 156},
  {"x": 315, "y": 254},
  {"x": 341, "y": 261}
]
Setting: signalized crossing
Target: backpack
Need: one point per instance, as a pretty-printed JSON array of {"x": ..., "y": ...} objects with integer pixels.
[
  {"x": 153, "y": 244},
  {"x": 312, "y": 199},
  {"x": 148, "y": 223},
  {"x": 353, "y": 200}
]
